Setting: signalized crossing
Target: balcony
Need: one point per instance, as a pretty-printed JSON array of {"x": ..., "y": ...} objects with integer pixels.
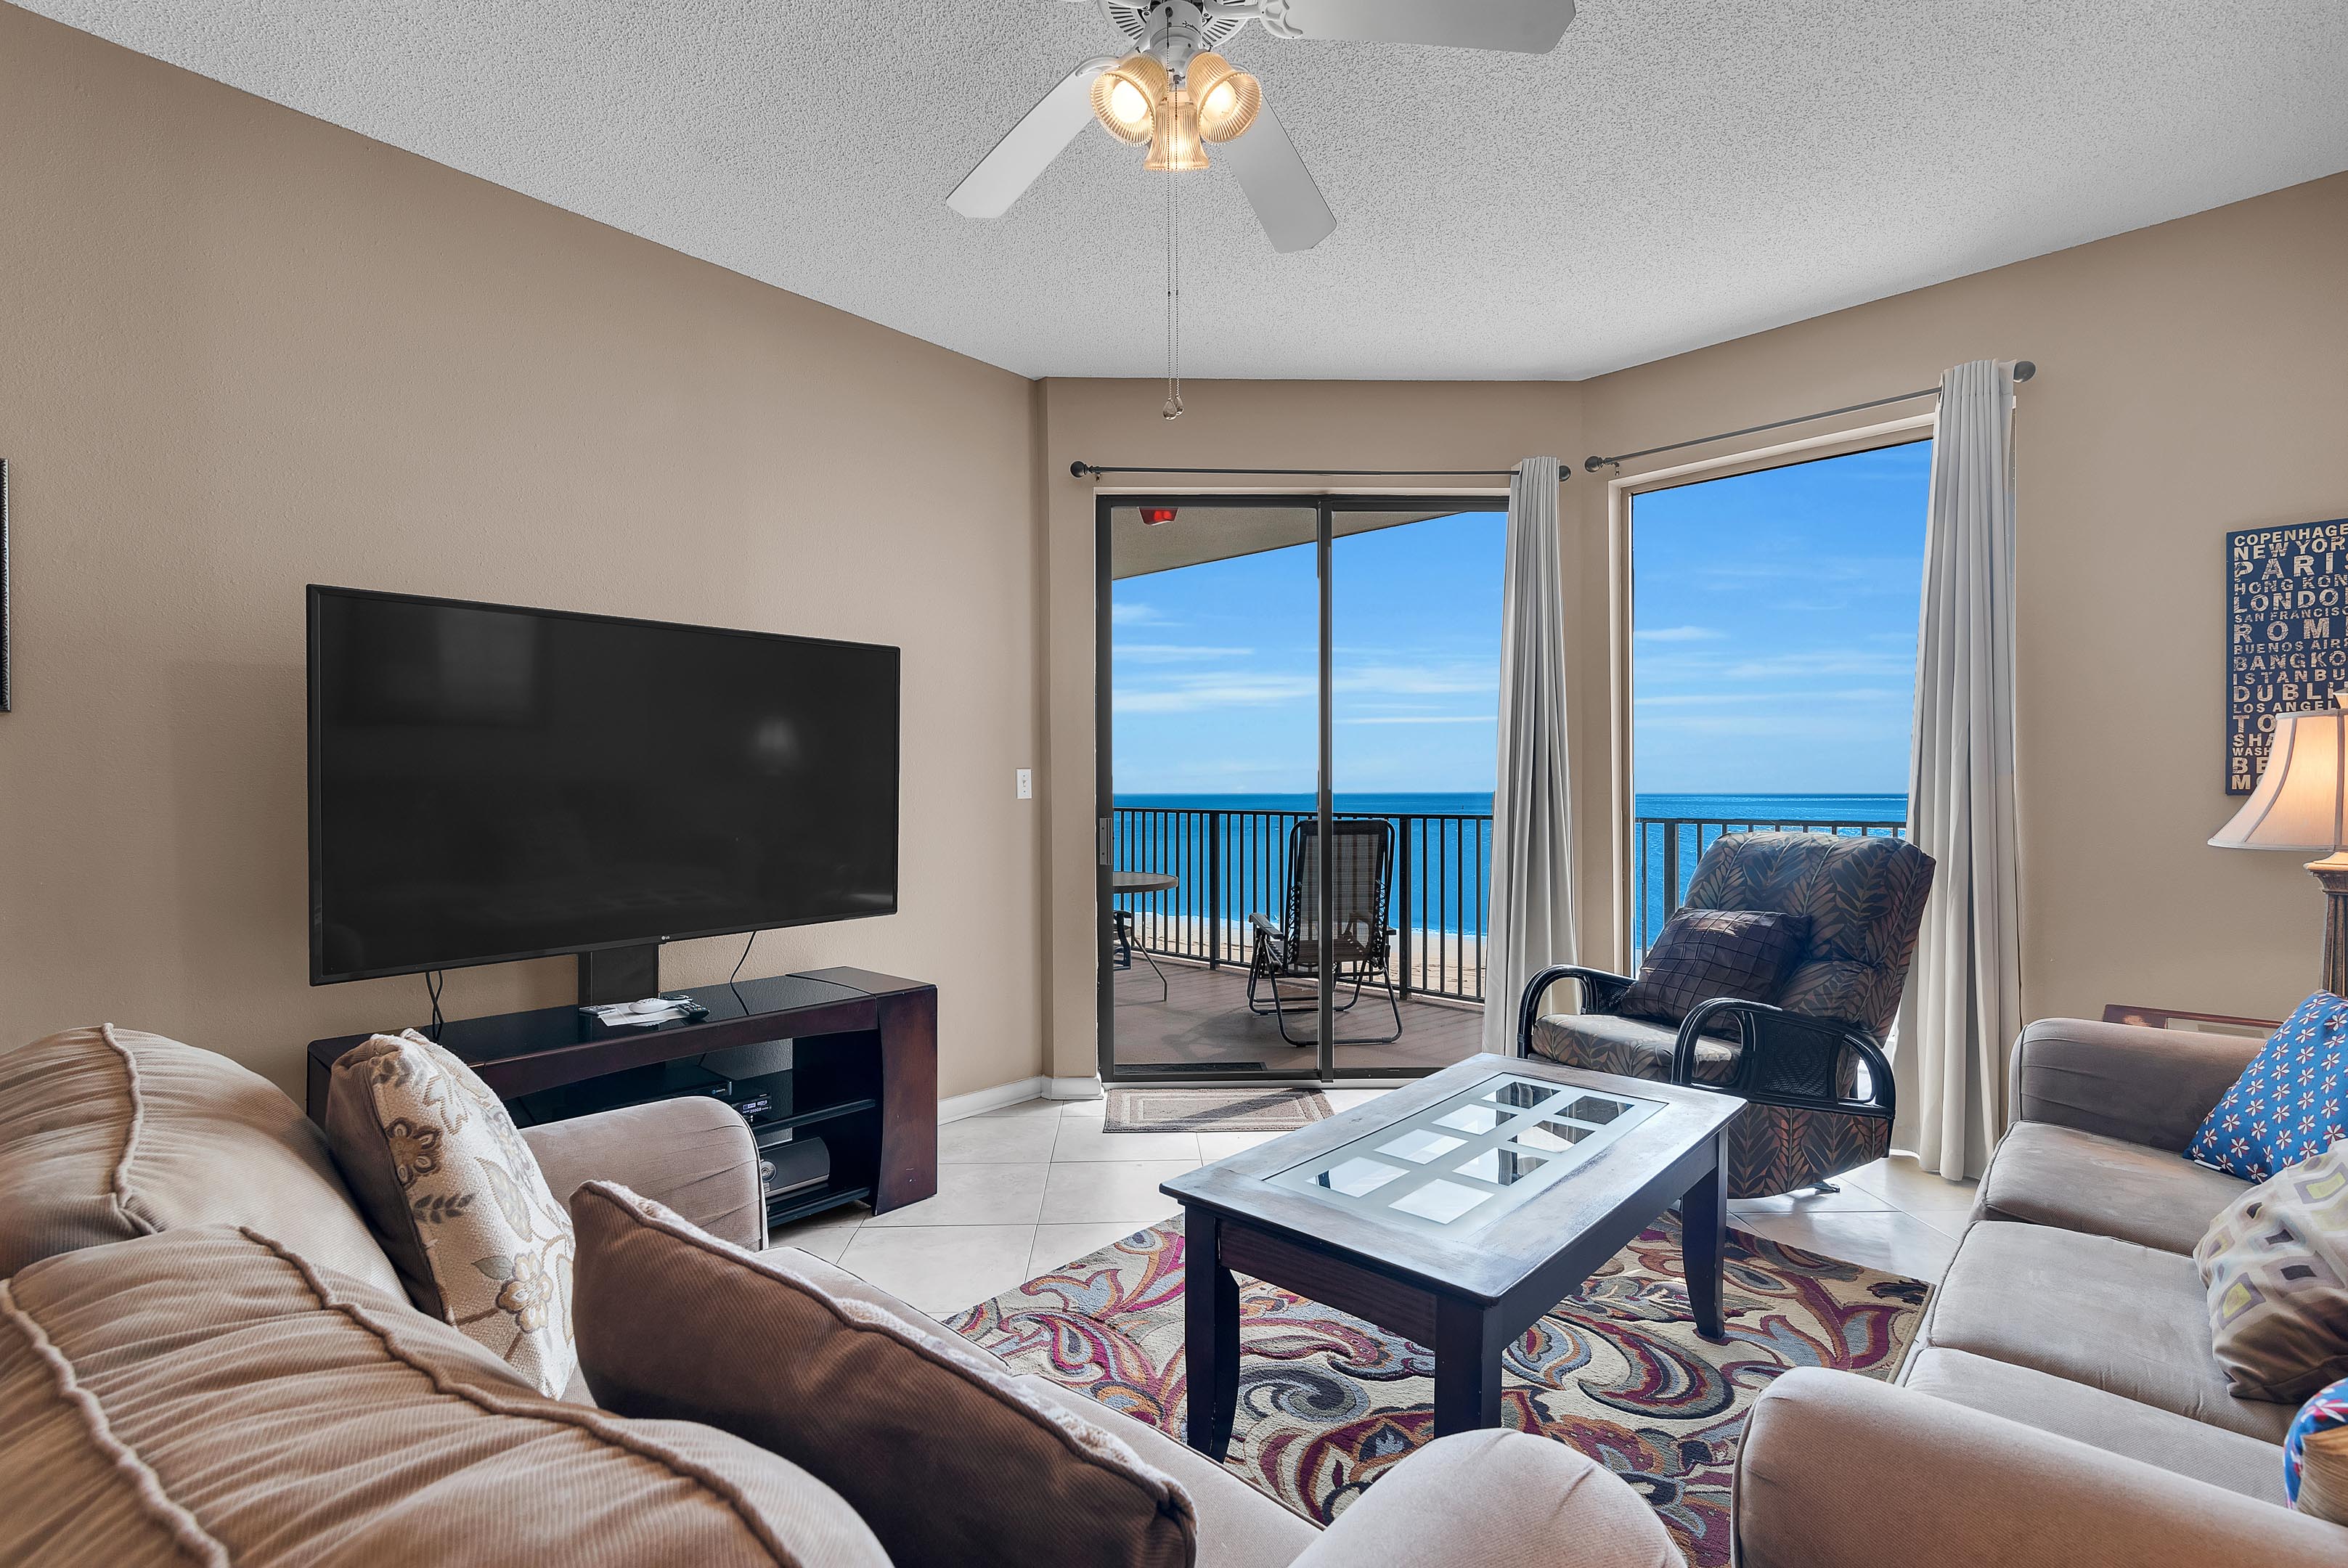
[{"x": 1227, "y": 864}]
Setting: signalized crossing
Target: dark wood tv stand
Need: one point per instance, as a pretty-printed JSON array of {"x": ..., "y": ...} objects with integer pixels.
[{"x": 864, "y": 1068}]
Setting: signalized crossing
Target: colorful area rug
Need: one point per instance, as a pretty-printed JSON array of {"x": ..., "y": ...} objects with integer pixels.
[
  {"x": 1213, "y": 1110},
  {"x": 1327, "y": 1402}
]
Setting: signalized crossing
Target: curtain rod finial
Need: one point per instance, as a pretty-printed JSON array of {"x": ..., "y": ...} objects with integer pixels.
[
  {"x": 2024, "y": 370},
  {"x": 1077, "y": 471}
]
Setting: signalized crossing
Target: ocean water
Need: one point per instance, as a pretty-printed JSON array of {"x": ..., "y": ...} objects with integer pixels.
[{"x": 1450, "y": 874}]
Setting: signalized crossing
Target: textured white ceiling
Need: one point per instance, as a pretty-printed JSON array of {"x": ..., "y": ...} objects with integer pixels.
[{"x": 1678, "y": 173}]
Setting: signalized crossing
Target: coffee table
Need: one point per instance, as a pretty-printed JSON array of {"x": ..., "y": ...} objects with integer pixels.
[{"x": 1455, "y": 1212}]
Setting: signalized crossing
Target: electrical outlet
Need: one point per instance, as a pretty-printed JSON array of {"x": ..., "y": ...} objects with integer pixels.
[{"x": 1026, "y": 784}]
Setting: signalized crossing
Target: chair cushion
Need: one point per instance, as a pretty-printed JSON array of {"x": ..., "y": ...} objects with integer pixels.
[
  {"x": 899, "y": 1415},
  {"x": 2276, "y": 1269},
  {"x": 456, "y": 1196},
  {"x": 209, "y": 1396},
  {"x": 1704, "y": 954},
  {"x": 107, "y": 1133},
  {"x": 2291, "y": 1102},
  {"x": 2115, "y": 1316},
  {"x": 2315, "y": 1456},
  {"x": 1865, "y": 901},
  {"x": 2050, "y": 1175},
  {"x": 2238, "y": 1462},
  {"x": 1629, "y": 1046}
]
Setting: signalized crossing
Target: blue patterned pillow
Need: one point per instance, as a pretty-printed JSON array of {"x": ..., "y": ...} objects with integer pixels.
[
  {"x": 2291, "y": 1102},
  {"x": 2315, "y": 1456}
]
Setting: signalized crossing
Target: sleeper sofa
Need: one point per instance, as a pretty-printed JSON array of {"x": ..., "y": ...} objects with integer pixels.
[
  {"x": 206, "y": 1358},
  {"x": 2062, "y": 1404}
]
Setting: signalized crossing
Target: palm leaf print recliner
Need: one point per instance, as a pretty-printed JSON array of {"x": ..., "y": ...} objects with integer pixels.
[{"x": 1809, "y": 1058}]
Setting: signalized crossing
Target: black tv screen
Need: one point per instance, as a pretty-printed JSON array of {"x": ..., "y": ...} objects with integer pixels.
[{"x": 491, "y": 783}]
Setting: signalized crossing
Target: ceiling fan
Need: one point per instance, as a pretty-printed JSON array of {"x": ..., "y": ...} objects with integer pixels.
[{"x": 1178, "y": 97}]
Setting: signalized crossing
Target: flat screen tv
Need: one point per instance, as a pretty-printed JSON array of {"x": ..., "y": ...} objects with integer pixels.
[{"x": 490, "y": 783}]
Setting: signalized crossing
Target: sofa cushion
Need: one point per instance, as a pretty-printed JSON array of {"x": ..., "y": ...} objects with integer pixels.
[
  {"x": 107, "y": 1133},
  {"x": 1238, "y": 1527},
  {"x": 2276, "y": 1268},
  {"x": 208, "y": 1396},
  {"x": 456, "y": 1196},
  {"x": 892, "y": 1410},
  {"x": 2049, "y": 1176},
  {"x": 2113, "y": 1314},
  {"x": 2233, "y": 1460},
  {"x": 2291, "y": 1102},
  {"x": 1704, "y": 954}
]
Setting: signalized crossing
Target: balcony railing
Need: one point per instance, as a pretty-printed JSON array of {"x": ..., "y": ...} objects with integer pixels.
[{"x": 1228, "y": 865}]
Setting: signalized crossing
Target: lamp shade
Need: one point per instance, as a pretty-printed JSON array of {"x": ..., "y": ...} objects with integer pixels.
[
  {"x": 2299, "y": 803},
  {"x": 1176, "y": 147},
  {"x": 1125, "y": 98}
]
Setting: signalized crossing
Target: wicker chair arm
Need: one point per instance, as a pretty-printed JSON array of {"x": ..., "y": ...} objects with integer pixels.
[
  {"x": 1600, "y": 988},
  {"x": 1758, "y": 1023}
]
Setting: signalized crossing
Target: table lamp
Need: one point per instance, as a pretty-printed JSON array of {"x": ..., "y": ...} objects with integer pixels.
[{"x": 2302, "y": 802}]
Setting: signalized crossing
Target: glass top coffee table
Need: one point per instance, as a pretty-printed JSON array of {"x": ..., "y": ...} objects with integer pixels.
[{"x": 1455, "y": 1212}]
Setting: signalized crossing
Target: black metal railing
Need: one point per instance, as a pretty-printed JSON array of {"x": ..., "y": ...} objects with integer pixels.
[
  {"x": 1664, "y": 851},
  {"x": 1228, "y": 865}
]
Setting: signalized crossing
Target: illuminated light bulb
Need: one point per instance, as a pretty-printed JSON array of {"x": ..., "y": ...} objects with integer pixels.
[
  {"x": 1176, "y": 147},
  {"x": 1125, "y": 98},
  {"x": 1227, "y": 99}
]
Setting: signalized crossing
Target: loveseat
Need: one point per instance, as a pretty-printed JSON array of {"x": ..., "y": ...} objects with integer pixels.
[
  {"x": 2062, "y": 1404},
  {"x": 206, "y": 1358}
]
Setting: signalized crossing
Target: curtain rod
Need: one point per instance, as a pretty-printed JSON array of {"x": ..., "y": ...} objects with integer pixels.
[
  {"x": 1097, "y": 471},
  {"x": 2022, "y": 371}
]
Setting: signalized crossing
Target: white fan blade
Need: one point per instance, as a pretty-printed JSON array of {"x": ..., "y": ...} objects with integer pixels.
[
  {"x": 1029, "y": 147},
  {"x": 1279, "y": 186},
  {"x": 1526, "y": 27}
]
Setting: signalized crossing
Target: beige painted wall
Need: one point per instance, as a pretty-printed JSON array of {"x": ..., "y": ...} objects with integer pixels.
[
  {"x": 2193, "y": 379},
  {"x": 241, "y": 350}
]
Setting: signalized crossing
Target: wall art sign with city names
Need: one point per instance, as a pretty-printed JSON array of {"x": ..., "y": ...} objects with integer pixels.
[{"x": 2286, "y": 633}]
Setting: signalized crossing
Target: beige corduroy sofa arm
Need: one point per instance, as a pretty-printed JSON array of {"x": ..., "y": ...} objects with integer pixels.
[
  {"x": 1495, "y": 1500},
  {"x": 2150, "y": 1086},
  {"x": 694, "y": 1153},
  {"x": 1838, "y": 1471}
]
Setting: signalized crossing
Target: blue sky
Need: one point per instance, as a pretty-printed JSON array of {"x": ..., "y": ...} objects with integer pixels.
[
  {"x": 1775, "y": 617},
  {"x": 1774, "y": 628}
]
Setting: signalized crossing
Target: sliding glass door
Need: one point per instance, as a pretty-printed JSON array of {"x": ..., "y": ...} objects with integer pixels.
[{"x": 1295, "y": 711}]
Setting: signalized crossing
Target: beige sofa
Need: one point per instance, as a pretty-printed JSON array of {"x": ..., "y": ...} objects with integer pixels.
[
  {"x": 204, "y": 1357},
  {"x": 2062, "y": 1404}
]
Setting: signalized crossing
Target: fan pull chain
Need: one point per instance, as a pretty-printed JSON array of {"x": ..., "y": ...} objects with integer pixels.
[{"x": 1173, "y": 297}]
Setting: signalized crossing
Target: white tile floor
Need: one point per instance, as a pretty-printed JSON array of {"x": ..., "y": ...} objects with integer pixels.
[{"x": 1024, "y": 1190}]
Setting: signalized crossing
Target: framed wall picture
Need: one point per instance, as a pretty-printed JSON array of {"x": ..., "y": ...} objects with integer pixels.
[{"x": 2286, "y": 633}]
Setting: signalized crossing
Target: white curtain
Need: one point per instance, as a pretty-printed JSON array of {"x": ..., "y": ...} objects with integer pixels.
[
  {"x": 1964, "y": 990},
  {"x": 1530, "y": 921}
]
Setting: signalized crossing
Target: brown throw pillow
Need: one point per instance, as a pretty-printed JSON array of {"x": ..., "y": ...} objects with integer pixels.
[
  {"x": 433, "y": 1159},
  {"x": 1707, "y": 953},
  {"x": 917, "y": 1429},
  {"x": 2276, "y": 1266}
]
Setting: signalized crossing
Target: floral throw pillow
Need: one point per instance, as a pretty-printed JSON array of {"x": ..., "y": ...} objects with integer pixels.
[
  {"x": 2315, "y": 1457},
  {"x": 456, "y": 1197},
  {"x": 2291, "y": 1102}
]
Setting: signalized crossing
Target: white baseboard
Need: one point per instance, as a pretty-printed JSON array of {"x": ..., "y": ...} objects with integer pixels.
[
  {"x": 978, "y": 1102},
  {"x": 1073, "y": 1089}
]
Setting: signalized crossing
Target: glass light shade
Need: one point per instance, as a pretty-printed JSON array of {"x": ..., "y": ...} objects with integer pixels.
[
  {"x": 2300, "y": 802},
  {"x": 1176, "y": 147},
  {"x": 1227, "y": 99},
  {"x": 1125, "y": 98}
]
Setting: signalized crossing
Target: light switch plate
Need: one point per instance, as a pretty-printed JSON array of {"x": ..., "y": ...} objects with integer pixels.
[{"x": 1026, "y": 784}]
